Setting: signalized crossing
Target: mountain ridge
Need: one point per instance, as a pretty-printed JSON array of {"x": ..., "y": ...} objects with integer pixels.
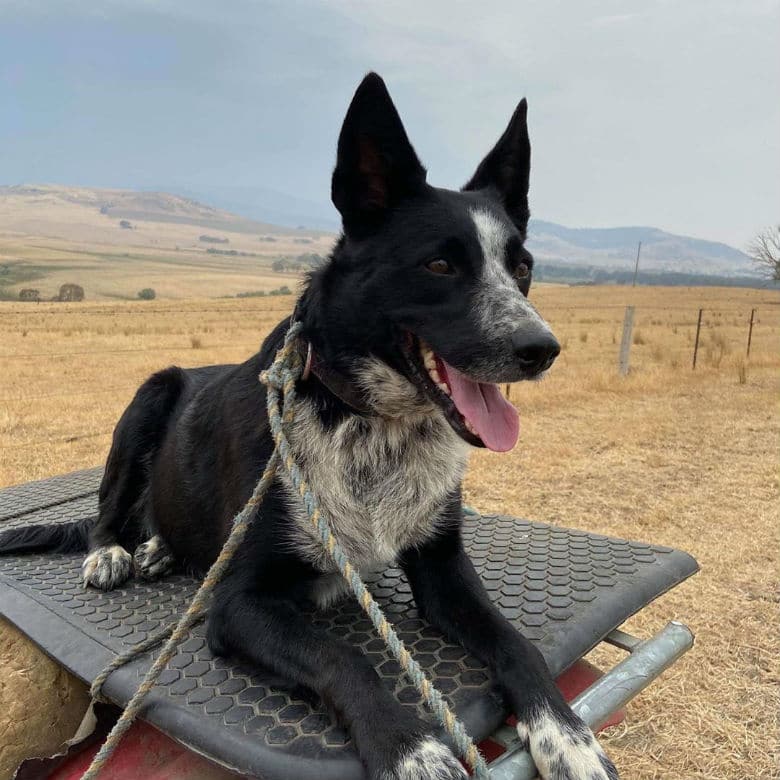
[
  {"x": 612, "y": 248},
  {"x": 607, "y": 248},
  {"x": 616, "y": 248}
]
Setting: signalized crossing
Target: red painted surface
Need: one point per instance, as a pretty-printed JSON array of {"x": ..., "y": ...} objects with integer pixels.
[{"x": 147, "y": 754}]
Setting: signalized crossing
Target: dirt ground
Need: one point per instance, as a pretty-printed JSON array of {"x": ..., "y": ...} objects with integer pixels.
[{"x": 678, "y": 457}]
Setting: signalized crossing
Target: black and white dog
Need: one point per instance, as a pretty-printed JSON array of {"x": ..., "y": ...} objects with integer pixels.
[{"x": 419, "y": 313}]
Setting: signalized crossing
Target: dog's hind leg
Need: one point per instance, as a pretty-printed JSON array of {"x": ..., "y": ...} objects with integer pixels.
[
  {"x": 106, "y": 567},
  {"x": 124, "y": 491},
  {"x": 153, "y": 559}
]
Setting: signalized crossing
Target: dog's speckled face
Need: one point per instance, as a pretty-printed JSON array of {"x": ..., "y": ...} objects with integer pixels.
[{"x": 434, "y": 282}]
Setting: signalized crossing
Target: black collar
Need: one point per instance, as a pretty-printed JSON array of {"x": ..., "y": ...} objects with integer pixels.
[{"x": 338, "y": 383}]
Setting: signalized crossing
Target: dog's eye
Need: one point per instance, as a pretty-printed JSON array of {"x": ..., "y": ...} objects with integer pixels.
[
  {"x": 522, "y": 271},
  {"x": 440, "y": 266}
]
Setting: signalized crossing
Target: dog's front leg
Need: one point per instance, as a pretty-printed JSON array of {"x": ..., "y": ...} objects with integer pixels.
[
  {"x": 451, "y": 596},
  {"x": 267, "y": 630}
]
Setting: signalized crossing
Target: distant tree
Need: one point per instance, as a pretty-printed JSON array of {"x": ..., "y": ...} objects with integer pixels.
[
  {"x": 764, "y": 250},
  {"x": 125, "y": 224},
  {"x": 213, "y": 239},
  {"x": 71, "y": 292},
  {"x": 29, "y": 294},
  {"x": 147, "y": 294}
]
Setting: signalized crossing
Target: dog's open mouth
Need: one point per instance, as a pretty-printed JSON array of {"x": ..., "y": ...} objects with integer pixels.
[{"x": 476, "y": 410}]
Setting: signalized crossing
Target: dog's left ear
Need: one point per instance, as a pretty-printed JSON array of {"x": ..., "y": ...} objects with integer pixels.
[
  {"x": 504, "y": 172},
  {"x": 376, "y": 165}
]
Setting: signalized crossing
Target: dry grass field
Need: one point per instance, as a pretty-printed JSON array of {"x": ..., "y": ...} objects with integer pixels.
[
  {"x": 119, "y": 273},
  {"x": 52, "y": 235},
  {"x": 680, "y": 457}
]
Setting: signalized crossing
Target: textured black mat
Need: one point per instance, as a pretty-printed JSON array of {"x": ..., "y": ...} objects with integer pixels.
[{"x": 564, "y": 589}]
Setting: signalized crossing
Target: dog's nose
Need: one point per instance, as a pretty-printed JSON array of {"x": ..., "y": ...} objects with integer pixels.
[{"x": 536, "y": 351}]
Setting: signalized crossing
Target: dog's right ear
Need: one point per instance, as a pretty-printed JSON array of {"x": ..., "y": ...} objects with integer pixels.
[
  {"x": 505, "y": 171},
  {"x": 376, "y": 166}
]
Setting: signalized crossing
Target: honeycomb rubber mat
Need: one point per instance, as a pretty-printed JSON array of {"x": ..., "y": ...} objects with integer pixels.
[{"x": 564, "y": 589}]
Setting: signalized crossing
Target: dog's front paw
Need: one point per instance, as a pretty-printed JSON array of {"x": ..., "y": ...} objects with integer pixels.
[
  {"x": 429, "y": 759},
  {"x": 564, "y": 748},
  {"x": 153, "y": 559},
  {"x": 106, "y": 567}
]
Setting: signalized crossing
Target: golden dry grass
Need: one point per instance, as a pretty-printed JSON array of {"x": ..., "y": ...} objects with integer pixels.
[
  {"x": 688, "y": 459},
  {"x": 117, "y": 273},
  {"x": 59, "y": 235}
]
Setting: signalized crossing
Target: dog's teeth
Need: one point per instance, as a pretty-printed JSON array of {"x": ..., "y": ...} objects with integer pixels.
[
  {"x": 429, "y": 359},
  {"x": 469, "y": 426}
]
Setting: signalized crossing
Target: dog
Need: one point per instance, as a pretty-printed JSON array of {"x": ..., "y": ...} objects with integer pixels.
[{"x": 418, "y": 315}]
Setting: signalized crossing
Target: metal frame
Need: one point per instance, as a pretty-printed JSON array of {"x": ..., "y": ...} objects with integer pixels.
[{"x": 646, "y": 661}]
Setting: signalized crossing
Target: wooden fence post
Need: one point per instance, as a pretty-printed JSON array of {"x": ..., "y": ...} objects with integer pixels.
[
  {"x": 696, "y": 344},
  {"x": 636, "y": 267},
  {"x": 750, "y": 332},
  {"x": 625, "y": 342}
]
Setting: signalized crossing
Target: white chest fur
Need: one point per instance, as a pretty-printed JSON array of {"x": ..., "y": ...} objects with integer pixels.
[{"x": 380, "y": 482}]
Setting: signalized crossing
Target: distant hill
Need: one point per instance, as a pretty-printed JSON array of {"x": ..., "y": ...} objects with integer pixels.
[
  {"x": 95, "y": 219},
  {"x": 615, "y": 249},
  {"x": 267, "y": 205},
  {"x": 114, "y": 243},
  {"x": 577, "y": 249},
  {"x": 44, "y": 201}
]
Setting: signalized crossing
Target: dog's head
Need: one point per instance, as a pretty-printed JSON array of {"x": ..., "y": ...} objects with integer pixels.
[{"x": 424, "y": 300}]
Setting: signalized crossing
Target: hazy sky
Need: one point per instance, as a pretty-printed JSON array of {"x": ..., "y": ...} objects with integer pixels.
[{"x": 641, "y": 113}]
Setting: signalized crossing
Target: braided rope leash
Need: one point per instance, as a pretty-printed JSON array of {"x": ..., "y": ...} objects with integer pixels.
[
  {"x": 281, "y": 376},
  {"x": 285, "y": 375}
]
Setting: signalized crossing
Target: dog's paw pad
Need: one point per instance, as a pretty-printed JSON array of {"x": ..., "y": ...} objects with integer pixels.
[
  {"x": 153, "y": 559},
  {"x": 429, "y": 760},
  {"x": 565, "y": 749},
  {"x": 106, "y": 567}
]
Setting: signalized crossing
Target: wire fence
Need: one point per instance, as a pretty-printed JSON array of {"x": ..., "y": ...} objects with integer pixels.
[
  {"x": 142, "y": 310},
  {"x": 115, "y": 351},
  {"x": 589, "y": 334}
]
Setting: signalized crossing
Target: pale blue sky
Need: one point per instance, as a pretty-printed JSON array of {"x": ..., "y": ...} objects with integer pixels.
[{"x": 641, "y": 111}]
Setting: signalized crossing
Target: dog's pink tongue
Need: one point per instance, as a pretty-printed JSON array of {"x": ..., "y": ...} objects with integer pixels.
[{"x": 491, "y": 415}]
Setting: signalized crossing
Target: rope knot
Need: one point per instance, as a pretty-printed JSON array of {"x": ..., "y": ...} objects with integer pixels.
[{"x": 287, "y": 366}]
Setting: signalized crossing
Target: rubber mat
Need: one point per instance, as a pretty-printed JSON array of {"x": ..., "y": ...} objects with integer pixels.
[{"x": 564, "y": 589}]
